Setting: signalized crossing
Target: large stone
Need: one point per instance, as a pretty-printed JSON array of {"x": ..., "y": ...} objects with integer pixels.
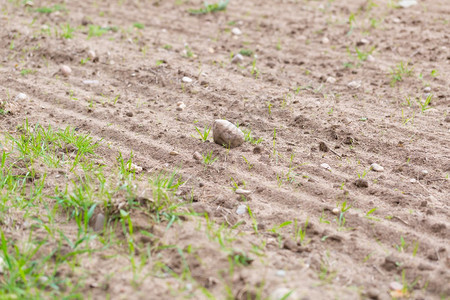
[{"x": 227, "y": 134}]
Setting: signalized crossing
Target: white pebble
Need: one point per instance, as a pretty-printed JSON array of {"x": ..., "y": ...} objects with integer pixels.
[
  {"x": 237, "y": 59},
  {"x": 236, "y": 31},
  {"x": 242, "y": 209},
  {"x": 65, "y": 70},
  {"x": 326, "y": 166},
  {"x": 91, "y": 54},
  {"x": 243, "y": 192},
  {"x": 412, "y": 180},
  {"x": 407, "y": 3},
  {"x": 335, "y": 211},
  {"x": 427, "y": 89},
  {"x": 281, "y": 273},
  {"x": 325, "y": 40},
  {"x": 364, "y": 41},
  {"x": 331, "y": 80},
  {"x": 186, "y": 79},
  {"x": 21, "y": 97},
  {"x": 424, "y": 172},
  {"x": 370, "y": 58},
  {"x": 181, "y": 106},
  {"x": 354, "y": 84},
  {"x": 376, "y": 167},
  {"x": 91, "y": 82},
  {"x": 395, "y": 286},
  {"x": 2, "y": 265}
]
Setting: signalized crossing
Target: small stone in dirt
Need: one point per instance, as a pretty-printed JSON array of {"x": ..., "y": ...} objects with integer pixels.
[
  {"x": 21, "y": 97},
  {"x": 186, "y": 79},
  {"x": 331, "y": 80},
  {"x": 395, "y": 286},
  {"x": 373, "y": 293},
  {"x": 281, "y": 273},
  {"x": 181, "y": 106},
  {"x": 135, "y": 168},
  {"x": 361, "y": 183},
  {"x": 174, "y": 153},
  {"x": 283, "y": 293},
  {"x": 257, "y": 150},
  {"x": 290, "y": 245},
  {"x": 323, "y": 147},
  {"x": 92, "y": 55},
  {"x": 237, "y": 59},
  {"x": 91, "y": 82},
  {"x": 325, "y": 40},
  {"x": 326, "y": 166},
  {"x": 2, "y": 265},
  {"x": 427, "y": 89},
  {"x": 336, "y": 211},
  {"x": 354, "y": 84},
  {"x": 447, "y": 119},
  {"x": 236, "y": 31},
  {"x": 412, "y": 180},
  {"x": 129, "y": 114},
  {"x": 197, "y": 156},
  {"x": 99, "y": 222},
  {"x": 227, "y": 134},
  {"x": 406, "y": 3},
  {"x": 242, "y": 209},
  {"x": 243, "y": 192},
  {"x": 370, "y": 58},
  {"x": 376, "y": 167},
  {"x": 424, "y": 172},
  {"x": 348, "y": 140},
  {"x": 65, "y": 70}
]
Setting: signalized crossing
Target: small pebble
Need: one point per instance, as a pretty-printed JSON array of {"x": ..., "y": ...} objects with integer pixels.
[
  {"x": 242, "y": 209},
  {"x": 335, "y": 211},
  {"x": 181, "y": 106},
  {"x": 364, "y": 41},
  {"x": 424, "y": 172},
  {"x": 91, "y": 82},
  {"x": 396, "y": 20},
  {"x": 354, "y": 84},
  {"x": 65, "y": 70},
  {"x": 325, "y": 40},
  {"x": 236, "y": 31},
  {"x": 174, "y": 153},
  {"x": 129, "y": 114},
  {"x": 281, "y": 273},
  {"x": 92, "y": 55},
  {"x": 326, "y": 166},
  {"x": 407, "y": 3},
  {"x": 282, "y": 293},
  {"x": 370, "y": 58},
  {"x": 412, "y": 180},
  {"x": 135, "y": 168},
  {"x": 361, "y": 183},
  {"x": 197, "y": 156},
  {"x": 186, "y": 79},
  {"x": 427, "y": 89},
  {"x": 2, "y": 265},
  {"x": 376, "y": 167},
  {"x": 243, "y": 192},
  {"x": 99, "y": 222},
  {"x": 21, "y": 97},
  {"x": 331, "y": 80},
  {"x": 395, "y": 286},
  {"x": 237, "y": 59},
  {"x": 323, "y": 147}
]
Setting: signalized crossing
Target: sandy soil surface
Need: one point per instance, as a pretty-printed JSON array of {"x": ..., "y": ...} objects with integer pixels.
[{"x": 323, "y": 90}]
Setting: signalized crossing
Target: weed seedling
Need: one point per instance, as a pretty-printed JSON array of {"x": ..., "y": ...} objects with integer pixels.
[
  {"x": 210, "y": 8},
  {"x": 203, "y": 135},
  {"x": 399, "y": 72},
  {"x": 208, "y": 160},
  {"x": 425, "y": 105}
]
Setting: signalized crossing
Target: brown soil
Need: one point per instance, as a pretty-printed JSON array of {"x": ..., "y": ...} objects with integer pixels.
[{"x": 316, "y": 122}]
